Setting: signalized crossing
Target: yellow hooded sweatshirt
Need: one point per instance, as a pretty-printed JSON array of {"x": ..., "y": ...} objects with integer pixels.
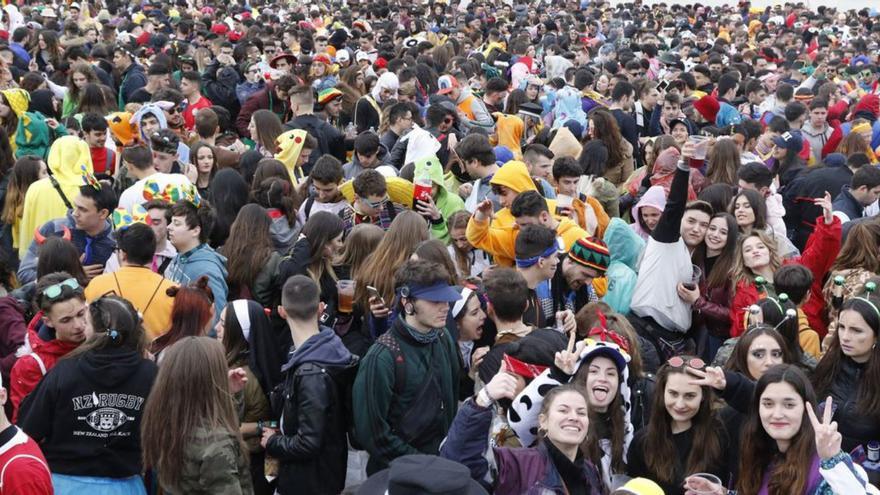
[
  {"x": 19, "y": 100},
  {"x": 67, "y": 157},
  {"x": 509, "y": 129},
  {"x": 497, "y": 237},
  {"x": 290, "y": 145}
]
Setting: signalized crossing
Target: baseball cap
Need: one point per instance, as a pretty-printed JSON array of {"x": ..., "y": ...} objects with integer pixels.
[
  {"x": 446, "y": 84},
  {"x": 791, "y": 140}
]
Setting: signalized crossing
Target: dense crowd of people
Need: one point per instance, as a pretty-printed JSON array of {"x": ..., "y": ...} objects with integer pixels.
[{"x": 453, "y": 246}]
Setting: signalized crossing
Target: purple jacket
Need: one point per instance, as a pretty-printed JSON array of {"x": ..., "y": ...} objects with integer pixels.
[
  {"x": 520, "y": 471},
  {"x": 529, "y": 471},
  {"x": 12, "y": 332}
]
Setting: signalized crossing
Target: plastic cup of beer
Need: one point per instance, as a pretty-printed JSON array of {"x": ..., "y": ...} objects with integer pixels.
[
  {"x": 702, "y": 484},
  {"x": 345, "y": 290},
  {"x": 701, "y": 146}
]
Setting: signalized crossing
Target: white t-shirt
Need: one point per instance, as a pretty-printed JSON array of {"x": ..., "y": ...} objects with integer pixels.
[{"x": 135, "y": 194}]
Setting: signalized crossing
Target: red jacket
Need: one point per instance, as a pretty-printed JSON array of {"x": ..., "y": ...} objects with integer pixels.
[
  {"x": 23, "y": 469},
  {"x": 818, "y": 256},
  {"x": 27, "y": 371}
]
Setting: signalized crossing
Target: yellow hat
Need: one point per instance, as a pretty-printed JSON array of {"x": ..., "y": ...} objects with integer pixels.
[
  {"x": 18, "y": 99},
  {"x": 641, "y": 486},
  {"x": 290, "y": 145}
]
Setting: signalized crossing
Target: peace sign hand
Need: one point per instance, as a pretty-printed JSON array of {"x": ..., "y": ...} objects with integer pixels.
[
  {"x": 828, "y": 439},
  {"x": 712, "y": 376}
]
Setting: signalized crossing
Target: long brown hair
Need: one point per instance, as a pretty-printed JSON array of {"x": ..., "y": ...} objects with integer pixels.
[
  {"x": 605, "y": 129},
  {"x": 860, "y": 249},
  {"x": 853, "y": 143},
  {"x": 740, "y": 272},
  {"x": 827, "y": 370},
  {"x": 459, "y": 220},
  {"x": 723, "y": 162},
  {"x": 720, "y": 274},
  {"x": 738, "y": 360},
  {"x": 191, "y": 392},
  {"x": 615, "y": 416},
  {"x": 661, "y": 455},
  {"x": 84, "y": 69},
  {"x": 25, "y": 172},
  {"x": 268, "y": 129},
  {"x": 790, "y": 469},
  {"x": 248, "y": 247},
  {"x": 434, "y": 250},
  {"x": 405, "y": 233},
  {"x": 359, "y": 245},
  {"x": 320, "y": 229},
  {"x": 349, "y": 77}
]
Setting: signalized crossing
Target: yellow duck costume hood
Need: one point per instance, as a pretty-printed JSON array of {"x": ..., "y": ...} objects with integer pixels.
[{"x": 43, "y": 202}]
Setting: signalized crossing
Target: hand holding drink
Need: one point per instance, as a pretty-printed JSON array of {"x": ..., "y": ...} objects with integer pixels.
[{"x": 345, "y": 290}]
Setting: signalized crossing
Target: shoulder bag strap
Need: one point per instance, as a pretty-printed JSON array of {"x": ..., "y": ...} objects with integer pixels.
[{"x": 57, "y": 187}]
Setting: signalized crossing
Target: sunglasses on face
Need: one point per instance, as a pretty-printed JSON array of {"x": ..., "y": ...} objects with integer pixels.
[
  {"x": 375, "y": 204},
  {"x": 679, "y": 362},
  {"x": 54, "y": 291}
]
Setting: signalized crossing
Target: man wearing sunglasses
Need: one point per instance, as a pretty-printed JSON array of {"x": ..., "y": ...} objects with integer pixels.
[
  {"x": 371, "y": 203},
  {"x": 61, "y": 325},
  {"x": 87, "y": 227}
]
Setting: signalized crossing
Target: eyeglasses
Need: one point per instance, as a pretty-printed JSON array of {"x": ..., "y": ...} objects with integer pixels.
[
  {"x": 54, "y": 291},
  {"x": 679, "y": 362},
  {"x": 374, "y": 204}
]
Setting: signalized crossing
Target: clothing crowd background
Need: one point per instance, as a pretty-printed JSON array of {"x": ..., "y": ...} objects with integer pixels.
[{"x": 477, "y": 246}]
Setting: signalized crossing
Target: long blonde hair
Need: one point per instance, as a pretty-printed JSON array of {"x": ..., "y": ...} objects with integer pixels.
[
  {"x": 405, "y": 233},
  {"x": 742, "y": 273},
  {"x": 190, "y": 392}
]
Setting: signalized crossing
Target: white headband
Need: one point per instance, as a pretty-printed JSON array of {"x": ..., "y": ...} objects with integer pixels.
[
  {"x": 244, "y": 318},
  {"x": 459, "y": 305}
]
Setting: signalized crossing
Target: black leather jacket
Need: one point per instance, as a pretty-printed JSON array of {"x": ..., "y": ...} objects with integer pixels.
[
  {"x": 856, "y": 427},
  {"x": 313, "y": 403}
]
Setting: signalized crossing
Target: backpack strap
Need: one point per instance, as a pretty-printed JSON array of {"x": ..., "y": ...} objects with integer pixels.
[
  {"x": 389, "y": 341},
  {"x": 39, "y": 361},
  {"x": 308, "y": 207},
  {"x": 57, "y": 187}
]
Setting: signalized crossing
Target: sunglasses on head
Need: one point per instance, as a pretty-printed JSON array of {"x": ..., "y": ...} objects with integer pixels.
[
  {"x": 679, "y": 362},
  {"x": 54, "y": 291}
]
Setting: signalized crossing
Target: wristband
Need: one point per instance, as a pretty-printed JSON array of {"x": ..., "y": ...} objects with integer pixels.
[{"x": 483, "y": 399}]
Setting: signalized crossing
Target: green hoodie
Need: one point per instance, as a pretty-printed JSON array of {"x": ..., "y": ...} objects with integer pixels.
[{"x": 446, "y": 201}]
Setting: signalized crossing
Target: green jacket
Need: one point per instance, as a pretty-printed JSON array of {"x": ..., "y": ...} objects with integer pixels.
[
  {"x": 213, "y": 464},
  {"x": 380, "y": 412}
]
